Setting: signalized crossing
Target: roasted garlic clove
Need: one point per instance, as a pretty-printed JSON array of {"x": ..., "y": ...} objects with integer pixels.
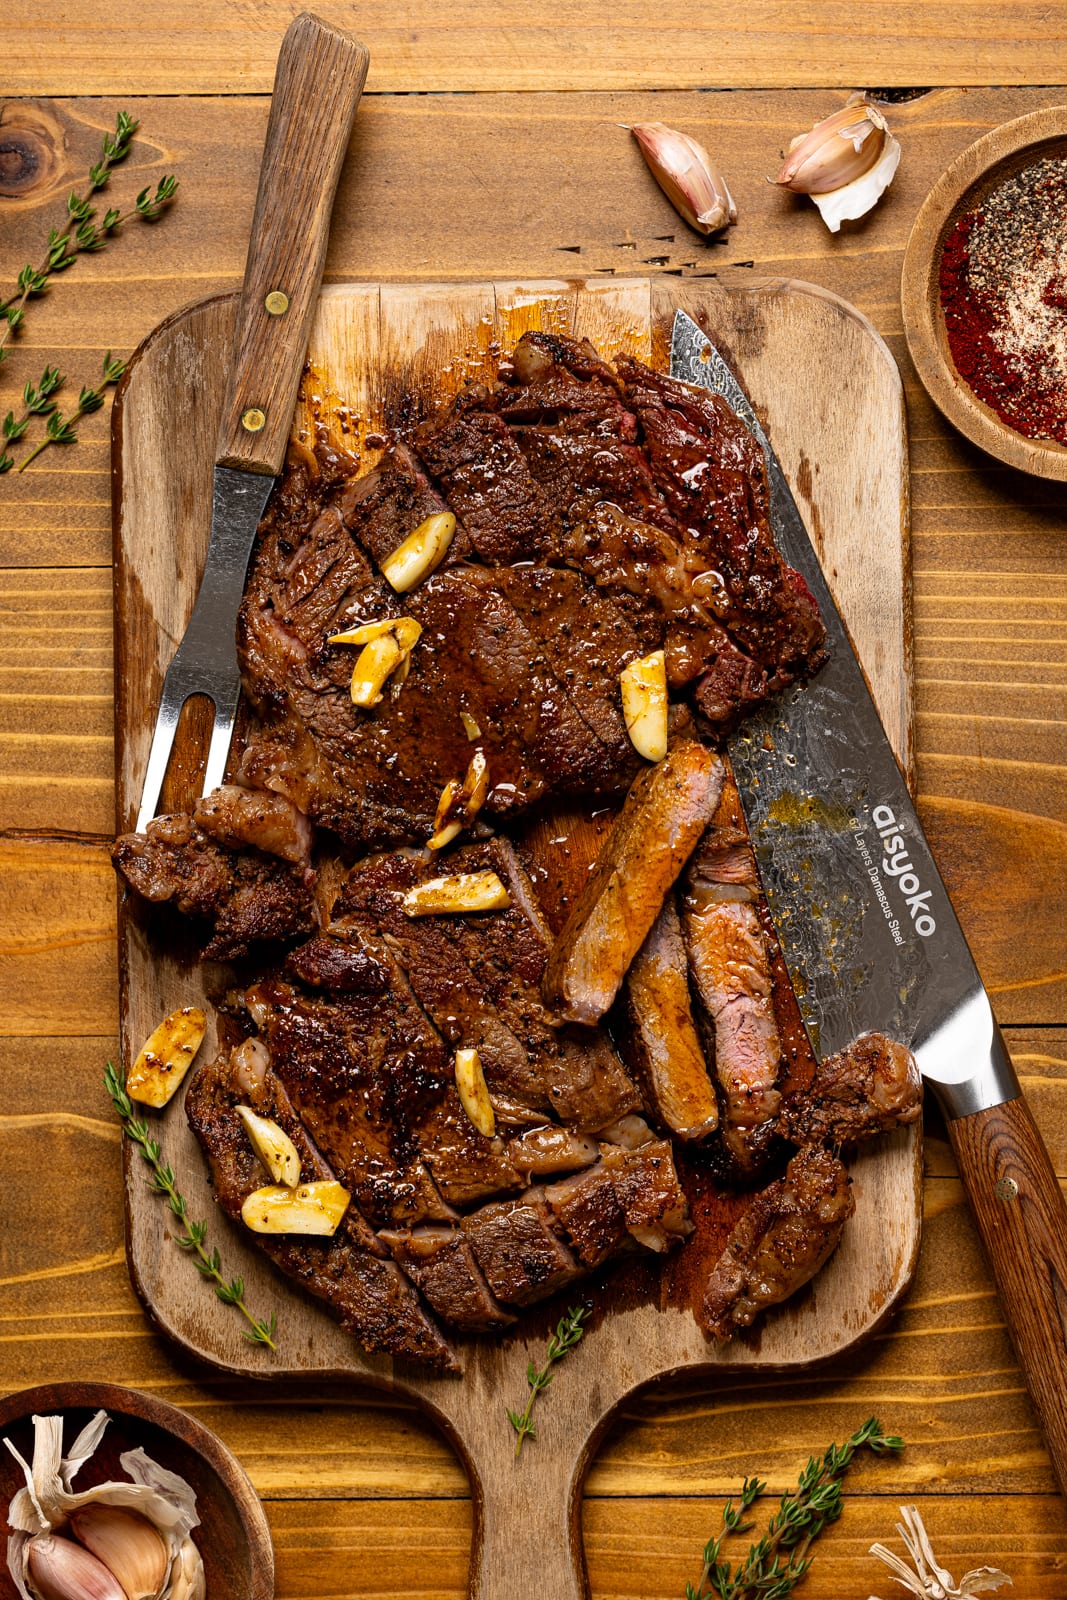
[
  {"x": 687, "y": 175},
  {"x": 470, "y": 727},
  {"x": 310, "y": 1208},
  {"x": 365, "y": 632},
  {"x": 473, "y": 1092},
  {"x": 383, "y": 652},
  {"x": 128, "y": 1544},
  {"x": 460, "y": 802},
  {"x": 644, "y": 704},
  {"x": 273, "y": 1146},
  {"x": 166, "y": 1057},
  {"x": 464, "y": 891},
  {"x": 420, "y": 552},
  {"x": 59, "y": 1569},
  {"x": 845, "y": 163}
]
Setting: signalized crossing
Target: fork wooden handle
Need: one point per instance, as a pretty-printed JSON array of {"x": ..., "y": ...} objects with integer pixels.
[
  {"x": 1019, "y": 1208},
  {"x": 320, "y": 77}
]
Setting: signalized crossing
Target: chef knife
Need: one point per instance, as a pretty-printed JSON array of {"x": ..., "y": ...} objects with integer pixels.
[
  {"x": 319, "y": 79},
  {"x": 872, "y": 942}
]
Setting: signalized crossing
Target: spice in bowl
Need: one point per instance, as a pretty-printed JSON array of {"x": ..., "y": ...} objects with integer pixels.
[{"x": 1003, "y": 285}]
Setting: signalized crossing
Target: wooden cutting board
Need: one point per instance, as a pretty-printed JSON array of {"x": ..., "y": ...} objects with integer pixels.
[{"x": 830, "y": 398}]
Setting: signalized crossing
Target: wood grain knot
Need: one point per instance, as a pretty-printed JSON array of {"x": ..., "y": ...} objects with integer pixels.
[{"x": 29, "y": 150}]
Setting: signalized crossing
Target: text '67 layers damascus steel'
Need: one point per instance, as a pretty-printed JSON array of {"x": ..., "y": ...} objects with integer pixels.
[
  {"x": 872, "y": 941},
  {"x": 317, "y": 86}
]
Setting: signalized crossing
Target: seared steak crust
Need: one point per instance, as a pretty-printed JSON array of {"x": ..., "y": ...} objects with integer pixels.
[{"x": 870, "y": 1087}]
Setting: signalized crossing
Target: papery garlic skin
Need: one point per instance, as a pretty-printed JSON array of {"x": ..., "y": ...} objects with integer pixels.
[
  {"x": 687, "y": 175},
  {"x": 845, "y": 164}
]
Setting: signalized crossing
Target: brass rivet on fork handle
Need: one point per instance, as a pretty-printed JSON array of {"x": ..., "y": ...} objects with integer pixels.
[
  {"x": 253, "y": 420},
  {"x": 276, "y": 303}
]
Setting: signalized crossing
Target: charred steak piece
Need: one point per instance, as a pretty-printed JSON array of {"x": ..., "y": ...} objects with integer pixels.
[
  {"x": 324, "y": 962},
  {"x": 548, "y": 1149},
  {"x": 661, "y": 1043},
  {"x": 479, "y": 976},
  {"x": 712, "y": 474},
  {"x": 484, "y": 477},
  {"x": 236, "y": 817},
  {"x": 870, "y": 1087},
  {"x": 369, "y": 1295},
  {"x": 587, "y": 1208},
  {"x": 244, "y": 898},
  {"x": 441, "y": 1263},
  {"x": 782, "y": 1240},
  {"x": 731, "y": 970},
  {"x": 666, "y": 811},
  {"x": 646, "y": 1184},
  {"x": 388, "y": 503},
  {"x": 519, "y": 1251},
  {"x": 564, "y": 381}
]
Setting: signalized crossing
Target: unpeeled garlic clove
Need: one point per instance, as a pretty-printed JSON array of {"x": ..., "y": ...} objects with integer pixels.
[
  {"x": 128, "y": 1545},
  {"x": 473, "y": 1092},
  {"x": 464, "y": 891},
  {"x": 166, "y": 1056},
  {"x": 643, "y": 686},
  {"x": 311, "y": 1208},
  {"x": 420, "y": 553},
  {"x": 273, "y": 1146},
  {"x": 59, "y": 1569},
  {"x": 687, "y": 175},
  {"x": 845, "y": 164}
]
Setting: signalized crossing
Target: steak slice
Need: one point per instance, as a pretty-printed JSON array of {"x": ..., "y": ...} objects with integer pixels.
[
  {"x": 236, "y": 817},
  {"x": 519, "y": 1251},
  {"x": 369, "y": 1296},
  {"x": 566, "y": 382},
  {"x": 440, "y": 1262},
  {"x": 587, "y": 1208},
  {"x": 484, "y": 477},
  {"x": 549, "y": 1149},
  {"x": 666, "y": 811},
  {"x": 870, "y": 1087},
  {"x": 478, "y": 977},
  {"x": 731, "y": 968},
  {"x": 385, "y": 505},
  {"x": 661, "y": 1043},
  {"x": 652, "y": 1200},
  {"x": 244, "y": 898},
  {"x": 791, "y": 1228}
]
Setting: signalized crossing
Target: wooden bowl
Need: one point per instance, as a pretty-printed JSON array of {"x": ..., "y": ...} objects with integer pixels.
[
  {"x": 971, "y": 177},
  {"x": 233, "y": 1536}
]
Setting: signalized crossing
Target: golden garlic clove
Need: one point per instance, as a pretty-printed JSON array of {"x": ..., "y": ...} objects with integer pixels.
[
  {"x": 465, "y": 891},
  {"x": 273, "y": 1146},
  {"x": 470, "y": 727},
  {"x": 312, "y": 1208},
  {"x": 59, "y": 1569},
  {"x": 364, "y": 633},
  {"x": 473, "y": 1092},
  {"x": 460, "y": 802},
  {"x": 687, "y": 175},
  {"x": 838, "y": 149},
  {"x": 166, "y": 1057},
  {"x": 643, "y": 685},
  {"x": 130, "y": 1546},
  {"x": 420, "y": 552}
]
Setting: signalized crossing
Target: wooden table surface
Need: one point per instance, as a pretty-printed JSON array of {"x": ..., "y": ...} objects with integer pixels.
[{"x": 508, "y": 159}]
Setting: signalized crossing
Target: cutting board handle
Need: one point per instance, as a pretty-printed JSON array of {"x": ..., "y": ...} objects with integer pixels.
[
  {"x": 320, "y": 77},
  {"x": 1019, "y": 1209}
]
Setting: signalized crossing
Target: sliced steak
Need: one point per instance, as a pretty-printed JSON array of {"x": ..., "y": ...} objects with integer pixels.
[
  {"x": 731, "y": 970},
  {"x": 383, "y": 507},
  {"x": 564, "y": 381},
  {"x": 478, "y": 977},
  {"x": 325, "y": 962},
  {"x": 870, "y": 1087},
  {"x": 484, "y": 477},
  {"x": 782, "y": 1240},
  {"x": 441, "y": 1263},
  {"x": 546, "y": 1150},
  {"x": 588, "y": 1210},
  {"x": 653, "y": 1202},
  {"x": 519, "y": 1251},
  {"x": 666, "y": 811},
  {"x": 370, "y": 1296},
  {"x": 660, "y": 1042},
  {"x": 244, "y": 899},
  {"x": 236, "y": 817}
]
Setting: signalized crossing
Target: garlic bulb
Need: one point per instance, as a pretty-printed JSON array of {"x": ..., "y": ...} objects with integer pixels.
[
  {"x": 687, "y": 175},
  {"x": 845, "y": 164},
  {"x": 135, "y": 1535}
]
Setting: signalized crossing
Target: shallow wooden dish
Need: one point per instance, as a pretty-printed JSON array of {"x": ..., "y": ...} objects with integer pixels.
[
  {"x": 233, "y": 1536},
  {"x": 972, "y": 176}
]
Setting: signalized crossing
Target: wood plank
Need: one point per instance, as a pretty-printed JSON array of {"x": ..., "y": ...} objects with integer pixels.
[
  {"x": 520, "y": 46},
  {"x": 650, "y": 1547},
  {"x": 57, "y": 946}
]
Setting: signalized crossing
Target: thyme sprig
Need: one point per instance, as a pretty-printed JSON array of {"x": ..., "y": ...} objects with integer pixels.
[
  {"x": 193, "y": 1238},
  {"x": 776, "y": 1564},
  {"x": 63, "y": 430},
  {"x": 568, "y": 1333},
  {"x": 36, "y": 402},
  {"x": 86, "y": 231}
]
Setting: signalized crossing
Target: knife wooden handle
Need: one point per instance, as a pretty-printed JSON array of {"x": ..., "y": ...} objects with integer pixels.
[
  {"x": 1021, "y": 1216},
  {"x": 320, "y": 77}
]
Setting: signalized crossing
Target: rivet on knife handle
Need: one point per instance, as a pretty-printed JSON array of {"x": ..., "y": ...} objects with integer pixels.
[{"x": 320, "y": 77}]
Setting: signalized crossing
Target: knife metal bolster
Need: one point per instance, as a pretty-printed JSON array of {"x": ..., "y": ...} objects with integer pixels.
[{"x": 969, "y": 1036}]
